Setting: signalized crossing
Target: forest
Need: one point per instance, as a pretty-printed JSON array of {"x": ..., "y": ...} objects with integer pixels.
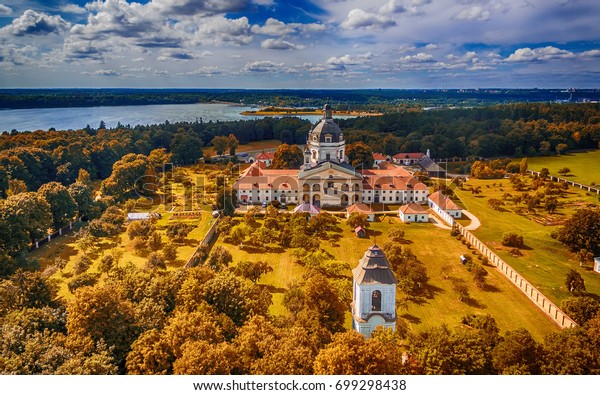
[
  {"x": 344, "y": 99},
  {"x": 212, "y": 320}
]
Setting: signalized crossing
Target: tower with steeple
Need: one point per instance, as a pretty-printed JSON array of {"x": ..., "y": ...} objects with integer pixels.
[
  {"x": 373, "y": 293},
  {"x": 325, "y": 141}
]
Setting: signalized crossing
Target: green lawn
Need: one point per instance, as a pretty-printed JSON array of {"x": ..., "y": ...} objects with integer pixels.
[
  {"x": 437, "y": 250},
  {"x": 545, "y": 261},
  {"x": 585, "y": 166}
]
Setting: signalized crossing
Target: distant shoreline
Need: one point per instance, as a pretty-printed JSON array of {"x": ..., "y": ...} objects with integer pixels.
[{"x": 278, "y": 111}]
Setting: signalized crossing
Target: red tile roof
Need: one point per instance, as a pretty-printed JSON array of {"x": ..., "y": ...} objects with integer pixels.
[{"x": 443, "y": 201}]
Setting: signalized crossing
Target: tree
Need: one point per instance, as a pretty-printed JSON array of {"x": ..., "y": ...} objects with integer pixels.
[
  {"x": 24, "y": 218},
  {"x": 178, "y": 232},
  {"x": 219, "y": 144},
  {"x": 252, "y": 270},
  {"x": 574, "y": 282},
  {"x": 358, "y": 219},
  {"x": 396, "y": 235},
  {"x": 186, "y": 147},
  {"x": 226, "y": 200},
  {"x": 359, "y": 154},
  {"x": 581, "y": 309},
  {"x": 564, "y": 171},
  {"x": 82, "y": 195},
  {"x": 544, "y": 173},
  {"x": 517, "y": 353},
  {"x": 350, "y": 353},
  {"x": 512, "y": 239},
  {"x": 159, "y": 157},
  {"x": 322, "y": 299},
  {"x": 170, "y": 252},
  {"x": 156, "y": 260},
  {"x": 82, "y": 264},
  {"x": 127, "y": 176},
  {"x": 287, "y": 157},
  {"x": 232, "y": 296},
  {"x": 219, "y": 259},
  {"x": 570, "y": 352},
  {"x": 561, "y": 148},
  {"x": 523, "y": 166},
  {"x": 202, "y": 358},
  {"x": 102, "y": 314},
  {"x": 495, "y": 203},
  {"x": 581, "y": 231},
  {"x": 551, "y": 204},
  {"x": 232, "y": 144}
]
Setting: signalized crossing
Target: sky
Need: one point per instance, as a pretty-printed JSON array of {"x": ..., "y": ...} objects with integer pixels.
[{"x": 295, "y": 44}]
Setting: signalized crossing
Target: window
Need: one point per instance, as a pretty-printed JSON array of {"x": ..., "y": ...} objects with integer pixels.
[{"x": 376, "y": 301}]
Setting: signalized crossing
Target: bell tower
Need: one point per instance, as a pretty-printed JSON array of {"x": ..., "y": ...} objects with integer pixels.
[{"x": 373, "y": 293}]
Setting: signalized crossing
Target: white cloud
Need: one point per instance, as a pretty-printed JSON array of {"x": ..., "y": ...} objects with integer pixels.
[
  {"x": 341, "y": 62},
  {"x": 264, "y": 3},
  {"x": 176, "y": 55},
  {"x": 104, "y": 73},
  {"x": 73, "y": 9},
  {"x": 418, "y": 58},
  {"x": 593, "y": 53},
  {"x": 274, "y": 27},
  {"x": 392, "y": 7},
  {"x": 5, "y": 10},
  {"x": 198, "y": 7},
  {"x": 263, "y": 66},
  {"x": 204, "y": 71},
  {"x": 358, "y": 18},
  {"x": 219, "y": 30},
  {"x": 475, "y": 13},
  {"x": 539, "y": 54},
  {"x": 279, "y": 44},
  {"x": 36, "y": 23}
]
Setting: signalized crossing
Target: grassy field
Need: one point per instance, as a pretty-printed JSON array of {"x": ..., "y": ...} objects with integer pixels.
[
  {"x": 545, "y": 261},
  {"x": 439, "y": 252},
  {"x": 585, "y": 166}
]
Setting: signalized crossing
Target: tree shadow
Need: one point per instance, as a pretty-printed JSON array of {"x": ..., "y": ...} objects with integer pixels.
[
  {"x": 411, "y": 318},
  {"x": 472, "y": 302},
  {"x": 373, "y": 233},
  {"x": 430, "y": 291},
  {"x": 490, "y": 288},
  {"x": 272, "y": 289}
]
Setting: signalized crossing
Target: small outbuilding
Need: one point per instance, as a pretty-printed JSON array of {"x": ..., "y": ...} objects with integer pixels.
[
  {"x": 360, "y": 232},
  {"x": 413, "y": 212},
  {"x": 597, "y": 264},
  {"x": 361, "y": 208},
  {"x": 307, "y": 208}
]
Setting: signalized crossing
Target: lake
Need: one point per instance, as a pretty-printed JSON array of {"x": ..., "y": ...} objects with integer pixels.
[{"x": 78, "y": 117}]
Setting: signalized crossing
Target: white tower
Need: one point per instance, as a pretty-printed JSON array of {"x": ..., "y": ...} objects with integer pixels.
[
  {"x": 374, "y": 293},
  {"x": 325, "y": 141}
]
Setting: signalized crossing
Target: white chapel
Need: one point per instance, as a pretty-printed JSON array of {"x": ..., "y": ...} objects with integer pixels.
[{"x": 373, "y": 293}]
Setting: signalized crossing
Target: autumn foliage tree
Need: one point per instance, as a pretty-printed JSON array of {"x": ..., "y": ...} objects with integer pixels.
[{"x": 287, "y": 157}]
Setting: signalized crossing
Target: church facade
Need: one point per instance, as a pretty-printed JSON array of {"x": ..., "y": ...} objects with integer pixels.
[{"x": 326, "y": 179}]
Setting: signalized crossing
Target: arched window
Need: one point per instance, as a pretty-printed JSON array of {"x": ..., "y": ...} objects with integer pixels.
[
  {"x": 376, "y": 301},
  {"x": 328, "y": 157}
]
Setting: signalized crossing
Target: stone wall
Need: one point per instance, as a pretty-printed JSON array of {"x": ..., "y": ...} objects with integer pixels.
[
  {"x": 538, "y": 298},
  {"x": 572, "y": 183},
  {"x": 204, "y": 242}
]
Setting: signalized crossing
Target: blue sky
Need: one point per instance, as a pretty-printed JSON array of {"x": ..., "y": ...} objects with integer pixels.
[{"x": 300, "y": 44}]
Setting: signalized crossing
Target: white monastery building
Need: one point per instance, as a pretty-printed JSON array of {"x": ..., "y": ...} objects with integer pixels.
[
  {"x": 373, "y": 293},
  {"x": 327, "y": 179}
]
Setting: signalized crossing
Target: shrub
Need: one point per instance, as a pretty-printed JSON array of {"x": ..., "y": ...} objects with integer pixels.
[
  {"x": 512, "y": 239},
  {"x": 82, "y": 264},
  {"x": 84, "y": 280},
  {"x": 156, "y": 261}
]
